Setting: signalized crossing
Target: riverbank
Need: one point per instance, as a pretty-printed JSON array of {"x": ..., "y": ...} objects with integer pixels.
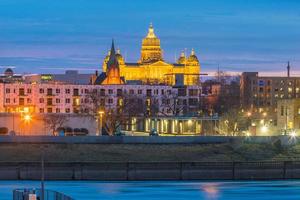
[
  {"x": 152, "y": 152},
  {"x": 236, "y": 159}
]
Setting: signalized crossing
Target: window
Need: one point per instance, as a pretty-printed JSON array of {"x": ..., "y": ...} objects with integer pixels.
[
  {"x": 131, "y": 91},
  {"x": 7, "y": 90},
  {"x": 49, "y": 91},
  {"x": 41, "y": 91},
  {"x": 41, "y": 110},
  {"x": 67, "y": 91},
  {"x": 119, "y": 92},
  {"x": 299, "y": 111},
  {"x": 67, "y": 110},
  {"x": 41, "y": 100},
  {"x": 57, "y": 110},
  {"x": 86, "y": 91},
  {"x": 29, "y": 100},
  {"x": 21, "y": 91},
  {"x": 49, "y": 101},
  {"x": 57, "y": 101},
  {"x": 29, "y": 91},
  {"x": 110, "y": 101},
  {"x": 7, "y": 100},
  {"x": 193, "y": 92},
  {"x": 162, "y": 92},
  {"x": 102, "y": 92},
  {"x": 57, "y": 91},
  {"x": 149, "y": 91},
  {"x": 76, "y": 92},
  {"x": 140, "y": 91},
  {"x": 68, "y": 101},
  {"x": 49, "y": 110},
  {"x": 110, "y": 91}
]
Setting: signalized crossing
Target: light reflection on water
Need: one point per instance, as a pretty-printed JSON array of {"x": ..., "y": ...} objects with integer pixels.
[{"x": 169, "y": 190}]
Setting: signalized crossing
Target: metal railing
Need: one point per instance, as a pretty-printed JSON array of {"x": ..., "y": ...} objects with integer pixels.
[{"x": 22, "y": 194}]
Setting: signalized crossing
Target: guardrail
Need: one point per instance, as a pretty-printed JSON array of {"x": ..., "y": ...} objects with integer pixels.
[{"x": 21, "y": 194}]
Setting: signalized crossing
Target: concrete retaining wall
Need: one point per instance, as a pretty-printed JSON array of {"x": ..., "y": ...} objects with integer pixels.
[
  {"x": 285, "y": 140},
  {"x": 152, "y": 171}
]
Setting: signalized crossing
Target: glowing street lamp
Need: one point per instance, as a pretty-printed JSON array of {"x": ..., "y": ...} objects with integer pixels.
[
  {"x": 249, "y": 114},
  {"x": 264, "y": 129},
  {"x": 27, "y": 118},
  {"x": 101, "y": 113}
]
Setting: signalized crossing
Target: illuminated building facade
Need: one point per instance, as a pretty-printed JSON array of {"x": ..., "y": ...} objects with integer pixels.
[
  {"x": 151, "y": 67},
  {"x": 67, "y": 98}
]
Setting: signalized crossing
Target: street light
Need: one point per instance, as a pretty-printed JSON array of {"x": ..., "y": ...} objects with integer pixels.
[
  {"x": 27, "y": 118},
  {"x": 101, "y": 113}
]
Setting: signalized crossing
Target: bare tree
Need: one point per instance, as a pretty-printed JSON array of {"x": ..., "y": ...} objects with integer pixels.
[
  {"x": 54, "y": 121},
  {"x": 170, "y": 104},
  {"x": 233, "y": 122},
  {"x": 116, "y": 114}
]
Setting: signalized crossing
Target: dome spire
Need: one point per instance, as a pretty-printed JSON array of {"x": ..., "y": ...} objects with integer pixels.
[
  {"x": 151, "y": 32},
  {"x": 193, "y": 52},
  {"x": 182, "y": 54},
  {"x": 118, "y": 51}
]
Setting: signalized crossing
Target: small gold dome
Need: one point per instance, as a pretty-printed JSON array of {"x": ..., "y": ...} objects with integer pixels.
[
  {"x": 182, "y": 58},
  {"x": 193, "y": 57}
]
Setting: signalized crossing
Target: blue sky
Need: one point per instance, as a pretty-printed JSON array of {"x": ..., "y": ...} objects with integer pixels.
[{"x": 238, "y": 35}]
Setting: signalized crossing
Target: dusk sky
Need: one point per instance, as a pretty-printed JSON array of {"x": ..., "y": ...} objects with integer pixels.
[{"x": 45, "y": 36}]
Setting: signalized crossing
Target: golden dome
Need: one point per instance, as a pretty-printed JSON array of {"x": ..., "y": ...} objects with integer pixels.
[
  {"x": 193, "y": 57},
  {"x": 120, "y": 57},
  {"x": 151, "y": 51},
  {"x": 182, "y": 58}
]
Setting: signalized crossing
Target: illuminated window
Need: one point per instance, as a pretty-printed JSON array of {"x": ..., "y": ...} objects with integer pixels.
[
  {"x": 290, "y": 90},
  {"x": 77, "y": 101}
]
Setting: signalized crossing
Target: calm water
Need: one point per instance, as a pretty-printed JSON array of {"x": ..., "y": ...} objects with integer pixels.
[{"x": 269, "y": 190}]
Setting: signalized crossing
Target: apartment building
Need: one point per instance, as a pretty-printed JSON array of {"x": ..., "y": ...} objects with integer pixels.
[
  {"x": 64, "y": 98},
  {"x": 263, "y": 92}
]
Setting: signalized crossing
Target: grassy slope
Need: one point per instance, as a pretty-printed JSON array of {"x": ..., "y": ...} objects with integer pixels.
[{"x": 142, "y": 152}]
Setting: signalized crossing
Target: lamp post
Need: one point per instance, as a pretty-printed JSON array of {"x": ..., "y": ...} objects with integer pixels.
[
  {"x": 27, "y": 119},
  {"x": 100, "y": 121}
]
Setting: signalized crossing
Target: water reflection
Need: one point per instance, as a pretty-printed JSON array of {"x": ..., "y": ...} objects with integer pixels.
[{"x": 210, "y": 190}]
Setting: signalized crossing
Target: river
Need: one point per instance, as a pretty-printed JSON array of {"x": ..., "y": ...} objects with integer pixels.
[{"x": 169, "y": 190}]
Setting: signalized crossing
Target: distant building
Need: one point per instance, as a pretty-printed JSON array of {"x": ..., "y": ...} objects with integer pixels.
[
  {"x": 10, "y": 77},
  {"x": 152, "y": 69},
  {"x": 69, "y": 77},
  {"x": 288, "y": 113},
  {"x": 263, "y": 92}
]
